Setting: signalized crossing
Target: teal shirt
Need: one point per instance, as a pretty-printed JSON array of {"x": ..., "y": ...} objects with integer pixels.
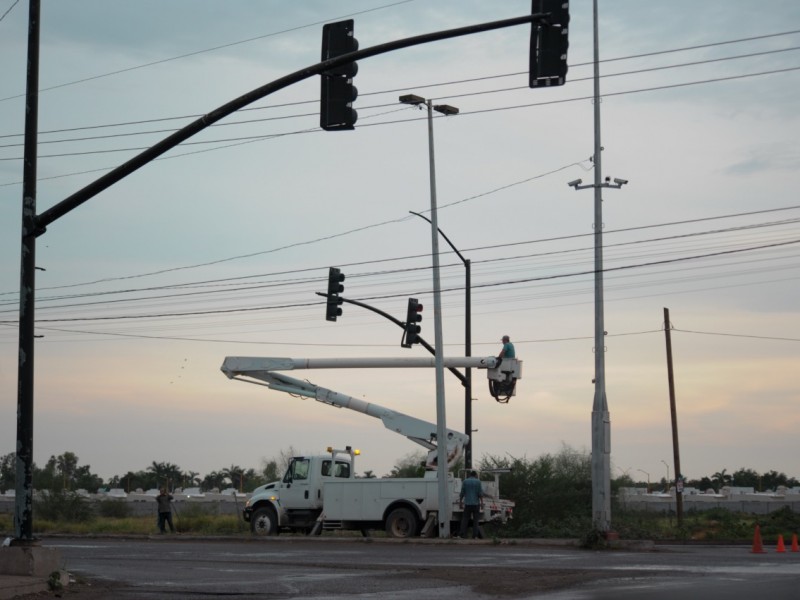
[
  {"x": 471, "y": 491},
  {"x": 508, "y": 350}
]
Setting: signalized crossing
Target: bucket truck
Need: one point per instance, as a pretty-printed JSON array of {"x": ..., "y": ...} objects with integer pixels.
[{"x": 321, "y": 492}]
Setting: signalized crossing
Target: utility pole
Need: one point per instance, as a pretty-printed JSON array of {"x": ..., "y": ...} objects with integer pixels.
[
  {"x": 601, "y": 419},
  {"x": 23, "y": 500},
  {"x": 676, "y": 454}
]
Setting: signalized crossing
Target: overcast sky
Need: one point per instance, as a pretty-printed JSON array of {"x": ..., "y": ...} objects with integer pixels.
[{"x": 217, "y": 249}]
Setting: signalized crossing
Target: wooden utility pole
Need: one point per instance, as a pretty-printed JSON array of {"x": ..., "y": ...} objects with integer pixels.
[{"x": 675, "y": 448}]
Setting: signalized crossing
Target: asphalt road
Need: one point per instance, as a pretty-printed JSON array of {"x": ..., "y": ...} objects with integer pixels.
[{"x": 328, "y": 568}]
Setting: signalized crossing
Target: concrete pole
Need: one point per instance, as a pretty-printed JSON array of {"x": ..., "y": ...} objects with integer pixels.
[
  {"x": 441, "y": 421},
  {"x": 601, "y": 419}
]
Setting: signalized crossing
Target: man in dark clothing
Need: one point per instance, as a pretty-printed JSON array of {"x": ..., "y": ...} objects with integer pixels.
[
  {"x": 164, "y": 511},
  {"x": 470, "y": 501}
]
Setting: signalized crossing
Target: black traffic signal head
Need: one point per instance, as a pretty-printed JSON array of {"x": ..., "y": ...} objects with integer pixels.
[
  {"x": 336, "y": 107},
  {"x": 412, "y": 327},
  {"x": 337, "y": 92},
  {"x": 549, "y": 44},
  {"x": 335, "y": 287}
]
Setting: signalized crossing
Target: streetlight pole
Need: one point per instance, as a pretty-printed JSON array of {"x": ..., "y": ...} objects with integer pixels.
[
  {"x": 666, "y": 486},
  {"x": 648, "y": 479},
  {"x": 467, "y": 345},
  {"x": 441, "y": 420},
  {"x": 601, "y": 419}
]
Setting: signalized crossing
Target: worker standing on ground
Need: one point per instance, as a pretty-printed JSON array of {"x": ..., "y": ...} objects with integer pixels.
[
  {"x": 508, "y": 349},
  {"x": 164, "y": 511},
  {"x": 470, "y": 501}
]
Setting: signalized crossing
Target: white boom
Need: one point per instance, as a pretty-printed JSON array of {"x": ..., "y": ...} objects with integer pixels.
[{"x": 247, "y": 369}]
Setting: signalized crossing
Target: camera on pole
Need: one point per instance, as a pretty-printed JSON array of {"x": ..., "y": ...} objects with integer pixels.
[{"x": 337, "y": 91}]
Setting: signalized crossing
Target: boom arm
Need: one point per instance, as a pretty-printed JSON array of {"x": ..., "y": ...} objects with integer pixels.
[{"x": 422, "y": 432}]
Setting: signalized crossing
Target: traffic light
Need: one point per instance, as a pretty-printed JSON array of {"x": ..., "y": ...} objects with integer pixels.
[
  {"x": 338, "y": 92},
  {"x": 335, "y": 287},
  {"x": 412, "y": 328},
  {"x": 549, "y": 44}
]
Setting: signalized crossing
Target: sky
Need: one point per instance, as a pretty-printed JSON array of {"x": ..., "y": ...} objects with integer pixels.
[{"x": 218, "y": 248}]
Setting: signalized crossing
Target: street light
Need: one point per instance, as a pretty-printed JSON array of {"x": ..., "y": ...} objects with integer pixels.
[
  {"x": 467, "y": 346},
  {"x": 666, "y": 465},
  {"x": 441, "y": 438},
  {"x": 648, "y": 479}
]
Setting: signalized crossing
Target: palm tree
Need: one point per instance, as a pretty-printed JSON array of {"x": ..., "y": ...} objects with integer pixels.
[
  {"x": 722, "y": 478},
  {"x": 66, "y": 464},
  {"x": 235, "y": 474},
  {"x": 191, "y": 477}
]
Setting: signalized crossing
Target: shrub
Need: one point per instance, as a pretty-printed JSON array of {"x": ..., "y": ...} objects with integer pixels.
[
  {"x": 118, "y": 509},
  {"x": 62, "y": 505},
  {"x": 553, "y": 493}
]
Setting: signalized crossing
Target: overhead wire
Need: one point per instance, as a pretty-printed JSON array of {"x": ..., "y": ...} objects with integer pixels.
[
  {"x": 427, "y": 85},
  {"x": 475, "y": 286},
  {"x": 263, "y": 137},
  {"x": 206, "y": 50}
]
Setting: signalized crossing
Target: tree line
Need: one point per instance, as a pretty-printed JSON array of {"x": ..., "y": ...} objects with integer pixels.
[{"x": 64, "y": 472}]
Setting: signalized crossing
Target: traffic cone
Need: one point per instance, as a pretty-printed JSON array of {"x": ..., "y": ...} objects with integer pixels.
[
  {"x": 758, "y": 546},
  {"x": 794, "y": 543},
  {"x": 781, "y": 547}
]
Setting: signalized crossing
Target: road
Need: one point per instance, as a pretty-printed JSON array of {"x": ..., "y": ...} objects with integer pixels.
[{"x": 331, "y": 568}]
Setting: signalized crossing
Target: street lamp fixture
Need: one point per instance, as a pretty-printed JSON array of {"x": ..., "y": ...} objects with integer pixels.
[{"x": 445, "y": 109}]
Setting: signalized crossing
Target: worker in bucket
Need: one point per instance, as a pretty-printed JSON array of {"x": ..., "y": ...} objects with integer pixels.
[{"x": 508, "y": 349}]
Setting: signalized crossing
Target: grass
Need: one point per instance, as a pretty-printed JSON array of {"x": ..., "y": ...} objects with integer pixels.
[
  {"x": 716, "y": 525},
  {"x": 195, "y": 524}
]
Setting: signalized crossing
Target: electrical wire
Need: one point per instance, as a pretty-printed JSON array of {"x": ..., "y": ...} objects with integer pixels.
[
  {"x": 264, "y": 137},
  {"x": 430, "y": 85},
  {"x": 477, "y": 286},
  {"x": 206, "y": 50},
  {"x": 3, "y": 16},
  {"x": 738, "y": 335}
]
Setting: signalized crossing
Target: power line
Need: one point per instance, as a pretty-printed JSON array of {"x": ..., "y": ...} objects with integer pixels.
[
  {"x": 206, "y": 50},
  {"x": 739, "y": 335},
  {"x": 262, "y": 137},
  {"x": 284, "y": 117},
  {"x": 8, "y": 10},
  {"x": 509, "y": 282},
  {"x": 379, "y": 261},
  {"x": 420, "y": 86}
]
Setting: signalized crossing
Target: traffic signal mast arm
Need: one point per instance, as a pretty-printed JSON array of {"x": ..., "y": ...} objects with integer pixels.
[{"x": 257, "y": 370}]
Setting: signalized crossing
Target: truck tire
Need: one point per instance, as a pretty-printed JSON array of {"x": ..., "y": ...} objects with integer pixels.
[
  {"x": 264, "y": 522},
  {"x": 402, "y": 523}
]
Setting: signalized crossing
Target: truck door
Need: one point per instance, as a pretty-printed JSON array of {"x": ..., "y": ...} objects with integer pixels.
[{"x": 298, "y": 490}]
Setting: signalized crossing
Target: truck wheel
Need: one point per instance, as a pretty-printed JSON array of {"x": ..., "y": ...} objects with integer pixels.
[
  {"x": 264, "y": 522},
  {"x": 401, "y": 523}
]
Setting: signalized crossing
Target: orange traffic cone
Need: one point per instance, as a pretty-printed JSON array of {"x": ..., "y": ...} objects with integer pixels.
[
  {"x": 794, "y": 543},
  {"x": 758, "y": 546},
  {"x": 781, "y": 547}
]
